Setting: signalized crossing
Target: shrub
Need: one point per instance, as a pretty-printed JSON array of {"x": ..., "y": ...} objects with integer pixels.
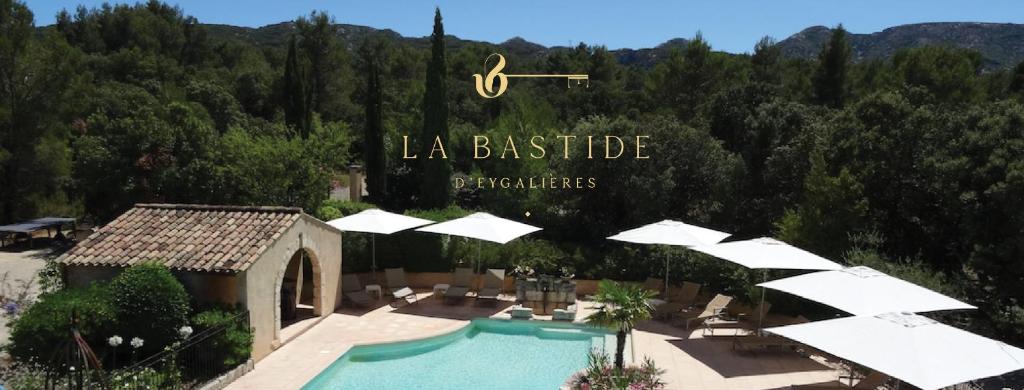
[
  {"x": 150, "y": 304},
  {"x": 228, "y": 348},
  {"x": 602, "y": 375},
  {"x": 343, "y": 207},
  {"x": 46, "y": 325}
]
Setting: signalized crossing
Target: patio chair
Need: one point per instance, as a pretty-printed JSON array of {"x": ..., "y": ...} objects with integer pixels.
[
  {"x": 682, "y": 300},
  {"x": 714, "y": 309},
  {"x": 654, "y": 284},
  {"x": 744, "y": 320},
  {"x": 494, "y": 281},
  {"x": 687, "y": 295},
  {"x": 873, "y": 381},
  {"x": 353, "y": 291},
  {"x": 462, "y": 280},
  {"x": 397, "y": 284}
]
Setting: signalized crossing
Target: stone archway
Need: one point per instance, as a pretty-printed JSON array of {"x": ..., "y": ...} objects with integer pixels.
[{"x": 300, "y": 272}]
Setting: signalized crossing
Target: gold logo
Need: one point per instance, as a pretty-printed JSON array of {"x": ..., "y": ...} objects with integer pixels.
[{"x": 486, "y": 88}]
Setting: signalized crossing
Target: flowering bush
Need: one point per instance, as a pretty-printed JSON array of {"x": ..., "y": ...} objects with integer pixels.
[{"x": 601, "y": 374}]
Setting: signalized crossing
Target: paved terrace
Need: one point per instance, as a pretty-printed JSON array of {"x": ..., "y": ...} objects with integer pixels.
[{"x": 690, "y": 361}]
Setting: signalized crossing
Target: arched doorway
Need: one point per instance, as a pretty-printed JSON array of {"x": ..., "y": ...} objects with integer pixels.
[{"x": 298, "y": 295}]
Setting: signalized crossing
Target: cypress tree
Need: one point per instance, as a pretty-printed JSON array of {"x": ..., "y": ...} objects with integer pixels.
[
  {"x": 435, "y": 186},
  {"x": 373, "y": 145},
  {"x": 833, "y": 62},
  {"x": 296, "y": 107}
]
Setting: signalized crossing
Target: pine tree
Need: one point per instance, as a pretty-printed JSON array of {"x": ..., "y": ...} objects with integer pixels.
[
  {"x": 435, "y": 186},
  {"x": 765, "y": 61},
  {"x": 833, "y": 64},
  {"x": 373, "y": 145},
  {"x": 297, "y": 113}
]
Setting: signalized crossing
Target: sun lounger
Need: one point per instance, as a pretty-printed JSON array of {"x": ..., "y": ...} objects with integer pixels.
[
  {"x": 521, "y": 313},
  {"x": 748, "y": 320},
  {"x": 687, "y": 295},
  {"x": 567, "y": 314},
  {"x": 462, "y": 281},
  {"x": 654, "y": 284},
  {"x": 397, "y": 284},
  {"x": 871, "y": 382},
  {"x": 715, "y": 308},
  {"x": 353, "y": 291},
  {"x": 682, "y": 300},
  {"x": 494, "y": 280}
]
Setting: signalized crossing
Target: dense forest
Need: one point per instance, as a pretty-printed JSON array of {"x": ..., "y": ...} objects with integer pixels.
[{"x": 912, "y": 164}]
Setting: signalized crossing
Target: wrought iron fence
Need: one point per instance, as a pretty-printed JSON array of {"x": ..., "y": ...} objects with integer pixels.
[{"x": 186, "y": 365}]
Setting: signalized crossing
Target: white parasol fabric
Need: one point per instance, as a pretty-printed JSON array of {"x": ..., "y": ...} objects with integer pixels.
[
  {"x": 863, "y": 291},
  {"x": 909, "y": 347},
  {"x": 377, "y": 221},
  {"x": 669, "y": 232},
  {"x": 482, "y": 226},
  {"x": 767, "y": 253}
]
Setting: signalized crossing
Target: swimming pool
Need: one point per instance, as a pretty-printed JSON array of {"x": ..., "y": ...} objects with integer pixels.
[{"x": 487, "y": 354}]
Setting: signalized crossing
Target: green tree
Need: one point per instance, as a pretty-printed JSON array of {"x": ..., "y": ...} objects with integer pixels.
[
  {"x": 831, "y": 73},
  {"x": 34, "y": 74},
  {"x": 374, "y": 152},
  {"x": 328, "y": 79},
  {"x": 435, "y": 185},
  {"x": 621, "y": 307},
  {"x": 766, "y": 62},
  {"x": 46, "y": 325},
  {"x": 833, "y": 209},
  {"x": 948, "y": 74},
  {"x": 297, "y": 112}
]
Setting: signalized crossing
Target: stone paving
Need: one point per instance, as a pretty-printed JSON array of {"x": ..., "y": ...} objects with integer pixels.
[{"x": 690, "y": 361}]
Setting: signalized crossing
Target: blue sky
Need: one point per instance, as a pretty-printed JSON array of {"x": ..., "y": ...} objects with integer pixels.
[{"x": 732, "y": 26}]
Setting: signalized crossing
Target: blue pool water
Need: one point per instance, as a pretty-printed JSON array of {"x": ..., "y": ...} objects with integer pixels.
[{"x": 487, "y": 354}]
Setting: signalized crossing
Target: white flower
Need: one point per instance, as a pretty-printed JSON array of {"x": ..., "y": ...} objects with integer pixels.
[
  {"x": 115, "y": 340},
  {"x": 185, "y": 331},
  {"x": 137, "y": 342}
]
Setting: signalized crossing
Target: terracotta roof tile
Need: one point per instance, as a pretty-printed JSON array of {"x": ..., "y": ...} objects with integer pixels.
[{"x": 186, "y": 237}]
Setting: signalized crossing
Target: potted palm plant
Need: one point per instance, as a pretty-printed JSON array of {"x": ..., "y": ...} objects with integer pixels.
[{"x": 621, "y": 307}]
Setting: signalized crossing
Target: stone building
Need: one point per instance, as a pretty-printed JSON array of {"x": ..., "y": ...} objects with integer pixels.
[{"x": 277, "y": 262}]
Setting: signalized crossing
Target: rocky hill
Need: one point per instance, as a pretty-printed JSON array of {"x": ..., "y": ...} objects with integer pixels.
[{"x": 1001, "y": 45}]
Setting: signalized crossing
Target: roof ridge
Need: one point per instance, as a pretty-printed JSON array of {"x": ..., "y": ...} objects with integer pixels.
[{"x": 182, "y": 206}]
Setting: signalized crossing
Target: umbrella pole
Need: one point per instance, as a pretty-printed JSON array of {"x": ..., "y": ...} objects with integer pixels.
[
  {"x": 760, "y": 309},
  {"x": 373, "y": 251},
  {"x": 666, "y": 278},
  {"x": 479, "y": 254}
]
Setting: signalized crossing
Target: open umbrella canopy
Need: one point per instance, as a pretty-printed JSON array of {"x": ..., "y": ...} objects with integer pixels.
[
  {"x": 669, "y": 232},
  {"x": 482, "y": 226},
  {"x": 864, "y": 291},
  {"x": 377, "y": 221},
  {"x": 909, "y": 347},
  {"x": 767, "y": 253}
]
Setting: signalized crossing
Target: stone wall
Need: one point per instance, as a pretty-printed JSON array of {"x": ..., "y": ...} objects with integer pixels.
[{"x": 261, "y": 284}]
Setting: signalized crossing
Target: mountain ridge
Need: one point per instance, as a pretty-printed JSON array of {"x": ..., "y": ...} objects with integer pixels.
[{"x": 1000, "y": 44}]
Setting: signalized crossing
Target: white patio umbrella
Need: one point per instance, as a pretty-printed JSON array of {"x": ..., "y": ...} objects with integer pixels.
[
  {"x": 767, "y": 253},
  {"x": 669, "y": 232},
  {"x": 909, "y": 347},
  {"x": 377, "y": 221},
  {"x": 864, "y": 291},
  {"x": 484, "y": 227}
]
